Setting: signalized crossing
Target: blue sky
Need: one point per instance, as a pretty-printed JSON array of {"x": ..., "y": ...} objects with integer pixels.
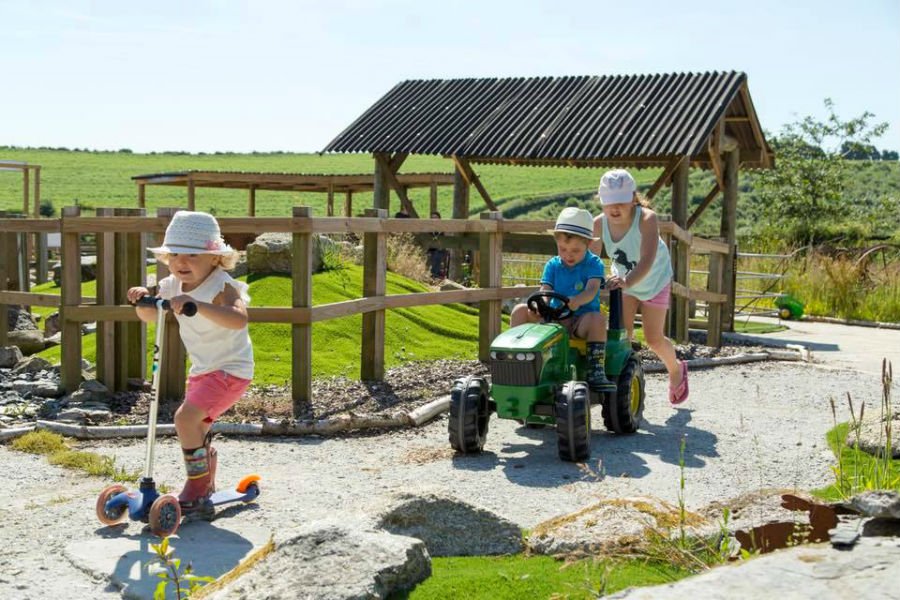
[{"x": 242, "y": 76}]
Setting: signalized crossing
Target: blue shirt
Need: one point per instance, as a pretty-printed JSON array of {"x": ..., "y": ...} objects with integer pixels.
[{"x": 571, "y": 281}]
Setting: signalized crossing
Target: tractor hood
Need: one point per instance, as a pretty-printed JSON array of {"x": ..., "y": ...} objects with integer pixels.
[{"x": 531, "y": 336}]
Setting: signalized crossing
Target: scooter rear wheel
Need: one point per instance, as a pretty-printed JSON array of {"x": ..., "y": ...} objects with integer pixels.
[
  {"x": 165, "y": 515},
  {"x": 116, "y": 515}
]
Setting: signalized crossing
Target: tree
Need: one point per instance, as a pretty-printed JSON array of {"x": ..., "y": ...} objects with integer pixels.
[{"x": 801, "y": 196}]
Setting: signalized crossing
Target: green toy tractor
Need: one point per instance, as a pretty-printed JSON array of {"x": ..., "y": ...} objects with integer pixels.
[{"x": 538, "y": 377}]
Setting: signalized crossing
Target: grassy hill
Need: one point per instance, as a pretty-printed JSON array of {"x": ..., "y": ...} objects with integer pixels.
[{"x": 421, "y": 333}]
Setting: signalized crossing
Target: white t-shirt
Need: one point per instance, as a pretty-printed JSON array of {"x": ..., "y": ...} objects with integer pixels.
[{"x": 212, "y": 347}]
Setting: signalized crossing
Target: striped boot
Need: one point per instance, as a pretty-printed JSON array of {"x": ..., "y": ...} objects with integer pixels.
[{"x": 194, "y": 498}]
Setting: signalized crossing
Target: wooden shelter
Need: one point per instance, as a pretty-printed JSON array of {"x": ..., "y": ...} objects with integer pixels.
[
  {"x": 674, "y": 121},
  {"x": 292, "y": 182},
  {"x": 31, "y": 196}
]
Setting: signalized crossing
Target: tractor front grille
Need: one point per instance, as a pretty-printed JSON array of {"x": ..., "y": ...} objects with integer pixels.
[{"x": 516, "y": 372}]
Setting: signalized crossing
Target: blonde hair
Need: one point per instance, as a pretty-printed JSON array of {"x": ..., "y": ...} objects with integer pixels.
[
  {"x": 226, "y": 261},
  {"x": 641, "y": 200}
]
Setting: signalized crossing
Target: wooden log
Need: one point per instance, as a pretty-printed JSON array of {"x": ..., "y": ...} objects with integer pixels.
[
  {"x": 301, "y": 333},
  {"x": 374, "y": 284},
  {"x": 70, "y": 295}
]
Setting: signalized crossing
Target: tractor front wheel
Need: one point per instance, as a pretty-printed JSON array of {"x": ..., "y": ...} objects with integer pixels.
[
  {"x": 624, "y": 408},
  {"x": 469, "y": 415},
  {"x": 573, "y": 422}
]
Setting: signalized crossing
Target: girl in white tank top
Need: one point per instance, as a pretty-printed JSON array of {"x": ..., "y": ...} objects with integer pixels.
[
  {"x": 216, "y": 339},
  {"x": 641, "y": 266}
]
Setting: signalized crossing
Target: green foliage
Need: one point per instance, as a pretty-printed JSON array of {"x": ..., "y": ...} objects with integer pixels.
[
  {"x": 58, "y": 453},
  {"x": 806, "y": 188},
  {"x": 167, "y": 567},
  {"x": 857, "y": 471},
  {"x": 518, "y": 576}
]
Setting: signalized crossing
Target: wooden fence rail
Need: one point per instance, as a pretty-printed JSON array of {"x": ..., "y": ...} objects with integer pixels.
[{"x": 122, "y": 238}]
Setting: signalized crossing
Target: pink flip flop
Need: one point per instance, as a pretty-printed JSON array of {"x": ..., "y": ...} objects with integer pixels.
[{"x": 679, "y": 393}]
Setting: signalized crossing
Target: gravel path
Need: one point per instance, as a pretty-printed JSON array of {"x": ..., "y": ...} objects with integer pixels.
[{"x": 745, "y": 427}]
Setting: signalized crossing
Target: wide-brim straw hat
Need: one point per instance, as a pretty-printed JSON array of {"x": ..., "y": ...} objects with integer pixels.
[
  {"x": 575, "y": 221},
  {"x": 193, "y": 233}
]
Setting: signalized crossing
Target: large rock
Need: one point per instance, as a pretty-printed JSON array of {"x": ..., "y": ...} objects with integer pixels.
[
  {"x": 18, "y": 319},
  {"x": 29, "y": 341},
  {"x": 330, "y": 560},
  {"x": 872, "y": 435},
  {"x": 88, "y": 269},
  {"x": 447, "y": 525},
  {"x": 878, "y": 504},
  {"x": 272, "y": 253},
  {"x": 9, "y": 356},
  {"x": 32, "y": 364},
  {"x": 90, "y": 393}
]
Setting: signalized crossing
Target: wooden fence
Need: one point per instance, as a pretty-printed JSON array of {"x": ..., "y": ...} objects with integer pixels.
[{"x": 122, "y": 237}]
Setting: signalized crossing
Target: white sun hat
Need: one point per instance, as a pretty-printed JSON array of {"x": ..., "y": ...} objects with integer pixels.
[
  {"x": 193, "y": 233},
  {"x": 616, "y": 187},
  {"x": 575, "y": 221}
]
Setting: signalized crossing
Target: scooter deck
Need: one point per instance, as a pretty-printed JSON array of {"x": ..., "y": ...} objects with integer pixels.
[{"x": 246, "y": 490}]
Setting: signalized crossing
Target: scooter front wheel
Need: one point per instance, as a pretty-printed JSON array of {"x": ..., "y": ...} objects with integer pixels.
[
  {"x": 165, "y": 515},
  {"x": 116, "y": 515}
]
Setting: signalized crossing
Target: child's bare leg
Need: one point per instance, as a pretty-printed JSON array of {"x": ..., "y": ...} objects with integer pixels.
[
  {"x": 653, "y": 319},
  {"x": 191, "y": 425},
  {"x": 630, "y": 306},
  {"x": 192, "y": 429},
  {"x": 520, "y": 315},
  {"x": 592, "y": 327}
]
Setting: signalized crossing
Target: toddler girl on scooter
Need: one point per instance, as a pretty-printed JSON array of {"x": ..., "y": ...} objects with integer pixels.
[
  {"x": 641, "y": 266},
  {"x": 216, "y": 339}
]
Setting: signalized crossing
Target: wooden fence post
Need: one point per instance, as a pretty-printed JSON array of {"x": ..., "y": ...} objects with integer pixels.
[
  {"x": 301, "y": 333},
  {"x": 4, "y": 285},
  {"x": 41, "y": 266},
  {"x": 374, "y": 284},
  {"x": 490, "y": 251},
  {"x": 714, "y": 309},
  {"x": 728, "y": 230},
  {"x": 70, "y": 295},
  {"x": 173, "y": 359},
  {"x": 136, "y": 274},
  {"x": 106, "y": 296}
]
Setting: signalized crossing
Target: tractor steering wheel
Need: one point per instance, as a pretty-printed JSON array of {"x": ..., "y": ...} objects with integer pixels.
[{"x": 540, "y": 302}]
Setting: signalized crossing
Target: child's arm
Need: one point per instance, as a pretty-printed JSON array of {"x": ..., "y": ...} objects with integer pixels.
[
  {"x": 226, "y": 310},
  {"x": 649, "y": 228},
  {"x": 144, "y": 313},
  {"x": 597, "y": 245},
  {"x": 589, "y": 293}
]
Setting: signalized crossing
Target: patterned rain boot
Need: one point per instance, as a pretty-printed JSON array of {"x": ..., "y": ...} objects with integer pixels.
[
  {"x": 194, "y": 498},
  {"x": 596, "y": 370}
]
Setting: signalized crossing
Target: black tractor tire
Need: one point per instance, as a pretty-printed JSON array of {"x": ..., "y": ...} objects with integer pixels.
[
  {"x": 573, "y": 422},
  {"x": 624, "y": 408},
  {"x": 470, "y": 413}
]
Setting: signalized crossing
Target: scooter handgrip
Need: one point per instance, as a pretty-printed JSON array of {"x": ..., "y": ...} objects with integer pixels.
[{"x": 189, "y": 309}]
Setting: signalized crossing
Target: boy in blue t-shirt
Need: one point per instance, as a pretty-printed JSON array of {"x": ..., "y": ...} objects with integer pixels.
[{"x": 576, "y": 273}]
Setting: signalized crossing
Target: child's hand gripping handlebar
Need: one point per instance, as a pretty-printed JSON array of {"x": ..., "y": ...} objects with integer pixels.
[{"x": 189, "y": 309}]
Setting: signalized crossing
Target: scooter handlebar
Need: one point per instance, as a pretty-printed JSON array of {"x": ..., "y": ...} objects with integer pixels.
[{"x": 189, "y": 309}]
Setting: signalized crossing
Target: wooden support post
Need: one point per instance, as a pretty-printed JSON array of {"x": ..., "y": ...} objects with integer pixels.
[
  {"x": 348, "y": 204},
  {"x": 106, "y": 296},
  {"x": 330, "y": 206},
  {"x": 70, "y": 295},
  {"x": 191, "y": 194},
  {"x": 136, "y": 274},
  {"x": 26, "y": 191},
  {"x": 41, "y": 260},
  {"x": 714, "y": 309},
  {"x": 728, "y": 231},
  {"x": 5, "y": 263},
  {"x": 374, "y": 284},
  {"x": 433, "y": 199},
  {"x": 680, "y": 306},
  {"x": 381, "y": 190},
  {"x": 251, "y": 207},
  {"x": 460, "y": 211},
  {"x": 142, "y": 196},
  {"x": 301, "y": 333},
  {"x": 37, "y": 192},
  {"x": 472, "y": 178},
  {"x": 173, "y": 359},
  {"x": 389, "y": 168},
  {"x": 490, "y": 251}
]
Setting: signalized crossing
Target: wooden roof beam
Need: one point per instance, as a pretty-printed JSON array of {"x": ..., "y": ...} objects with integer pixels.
[
  {"x": 704, "y": 205},
  {"x": 391, "y": 175},
  {"x": 472, "y": 179}
]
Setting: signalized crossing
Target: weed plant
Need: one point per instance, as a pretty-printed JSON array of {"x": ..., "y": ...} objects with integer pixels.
[
  {"x": 167, "y": 567},
  {"x": 57, "y": 451}
]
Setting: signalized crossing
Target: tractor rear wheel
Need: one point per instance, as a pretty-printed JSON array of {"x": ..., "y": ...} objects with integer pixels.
[
  {"x": 624, "y": 408},
  {"x": 573, "y": 422},
  {"x": 469, "y": 415}
]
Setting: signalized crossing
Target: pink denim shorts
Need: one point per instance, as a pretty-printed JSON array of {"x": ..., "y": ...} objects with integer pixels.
[
  {"x": 214, "y": 392},
  {"x": 661, "y": 299}
]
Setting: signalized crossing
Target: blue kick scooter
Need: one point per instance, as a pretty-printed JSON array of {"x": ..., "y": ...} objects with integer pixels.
[{"x": 161, "y": 511}]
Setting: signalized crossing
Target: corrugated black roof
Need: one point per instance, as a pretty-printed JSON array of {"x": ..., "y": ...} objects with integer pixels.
[{"x": 553, "y": 119}]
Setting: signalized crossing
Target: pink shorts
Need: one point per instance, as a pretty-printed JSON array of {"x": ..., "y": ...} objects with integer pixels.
[
  {"x": 214, "y": 392},
  {"x": 660, "y": 300}
]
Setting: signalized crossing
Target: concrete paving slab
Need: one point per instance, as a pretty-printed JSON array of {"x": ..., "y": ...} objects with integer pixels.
[{"x": 121, "y": 554}]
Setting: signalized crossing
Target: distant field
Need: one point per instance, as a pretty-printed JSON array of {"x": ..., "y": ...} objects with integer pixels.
[{"x": 104, "y": 180}]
